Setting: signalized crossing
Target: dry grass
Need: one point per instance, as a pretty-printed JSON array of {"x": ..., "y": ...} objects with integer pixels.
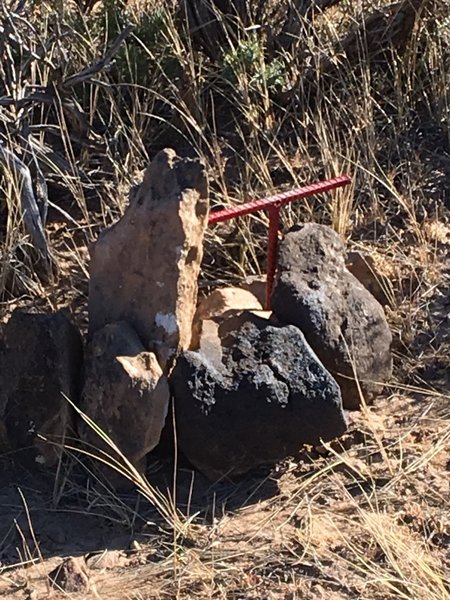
[
  {"x": 365, "y": 518},
  {"x": 368, "y": 517}
]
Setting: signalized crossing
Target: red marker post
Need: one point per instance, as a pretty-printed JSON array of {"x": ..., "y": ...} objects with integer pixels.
[{"x": 273, "y": 204}]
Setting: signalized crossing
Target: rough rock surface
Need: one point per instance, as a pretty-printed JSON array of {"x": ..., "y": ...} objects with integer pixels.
[
  {"x": 41, "y": 364},
  {"x": 108, "y": 559},
  {"x": 341, "y": 320},
  {"x": 268, "y": 397},
  {"x": 71, "y": 576},
  {"x": 218, "y": 304},
  {"x": 214, "y": 329},
  {"x": 144, "y": 268},
  {"x": 125, "y": 393}
]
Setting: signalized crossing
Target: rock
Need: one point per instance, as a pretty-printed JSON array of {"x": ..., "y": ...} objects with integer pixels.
[
  {"x": 144, "y": 268},
  {"x": 209, "y": 342},
  {"x": 70, "y": 576},
  {"x": 363, "y": 267},
  {"x": 217, "y": 304},
  {"x": 216, "y": 328},
  {"x": 125, "y": 393},
  {"x": 222, "y": 300},
  {"x": 41, "y": 368},
  {"x": 257, "y": 285},
  {"x": 30, "y": 594},
  {"x": 268, "y": 397},
  {"x": 341, "y": 320}
]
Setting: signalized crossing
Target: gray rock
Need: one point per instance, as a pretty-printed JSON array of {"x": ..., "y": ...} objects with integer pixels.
[
  {"x": 125, "y": 393},
  {"x": 144, "y": 268},
  {"x": 341, "y": 320},
  {"x": 41, "y": 364},
  {"x": 268, "y": 397}
]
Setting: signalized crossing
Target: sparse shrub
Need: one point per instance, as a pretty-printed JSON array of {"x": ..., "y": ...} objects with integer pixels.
[{"x": 247, "y": 62}]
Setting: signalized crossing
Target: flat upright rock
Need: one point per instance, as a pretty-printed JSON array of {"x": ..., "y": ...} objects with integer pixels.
[
  {"x": 125, "y": 393},
  {"x": 268, "y": 397},
  {"x": 144, "y": 268},
  {"x": 341, "y": 320},
  {"x": 41, "y": 364}
]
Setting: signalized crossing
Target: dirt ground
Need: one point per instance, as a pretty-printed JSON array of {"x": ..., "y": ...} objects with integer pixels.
[{"x": 303, "y": 530}]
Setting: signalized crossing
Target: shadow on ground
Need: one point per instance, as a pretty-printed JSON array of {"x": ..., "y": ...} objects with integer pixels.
[{"x": 67, "y": 513}]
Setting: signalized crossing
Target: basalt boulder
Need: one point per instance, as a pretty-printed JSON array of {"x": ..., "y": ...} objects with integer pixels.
[
  {"x": 267, "y": 396},
  {"x": 40, "y": 370},
  {"x": 341, "y": 320}
]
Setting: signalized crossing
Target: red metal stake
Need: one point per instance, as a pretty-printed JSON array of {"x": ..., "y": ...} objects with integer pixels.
[
  {"x": 272, "y": 251},
  {"x": 273, "y": 204}
]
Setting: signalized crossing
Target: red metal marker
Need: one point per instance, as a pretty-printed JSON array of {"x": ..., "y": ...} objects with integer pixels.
[{"x": 273, "y": 204}]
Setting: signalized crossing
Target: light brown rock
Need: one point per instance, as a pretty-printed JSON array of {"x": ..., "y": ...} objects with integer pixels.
[
  {"x": 257, "y": 285},
  {"x": 216, "y": 306},
  {"x": 109, "y": 559},
  {"x": 144, "y": 269},
  {"x": 209, "y": 343},
  {"x": 125, "y": 393}
]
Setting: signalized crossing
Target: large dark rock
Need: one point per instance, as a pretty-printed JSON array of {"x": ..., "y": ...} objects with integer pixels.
[
  {"x": 341, "y": 320},
  {"x": 41, "y": 364},
  {"x": 125, "y": 393},
  {"x": 268, "y": 397}
]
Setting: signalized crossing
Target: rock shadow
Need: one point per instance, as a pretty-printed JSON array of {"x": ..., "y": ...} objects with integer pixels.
[{"x": 47, "y": 514}]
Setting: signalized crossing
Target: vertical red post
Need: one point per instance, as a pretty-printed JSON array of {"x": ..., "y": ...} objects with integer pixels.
[{"x": 272, "y": 249}]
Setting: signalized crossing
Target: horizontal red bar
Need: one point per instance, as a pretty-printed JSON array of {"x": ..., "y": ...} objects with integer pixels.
[{"x": 278, "y": 199}]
